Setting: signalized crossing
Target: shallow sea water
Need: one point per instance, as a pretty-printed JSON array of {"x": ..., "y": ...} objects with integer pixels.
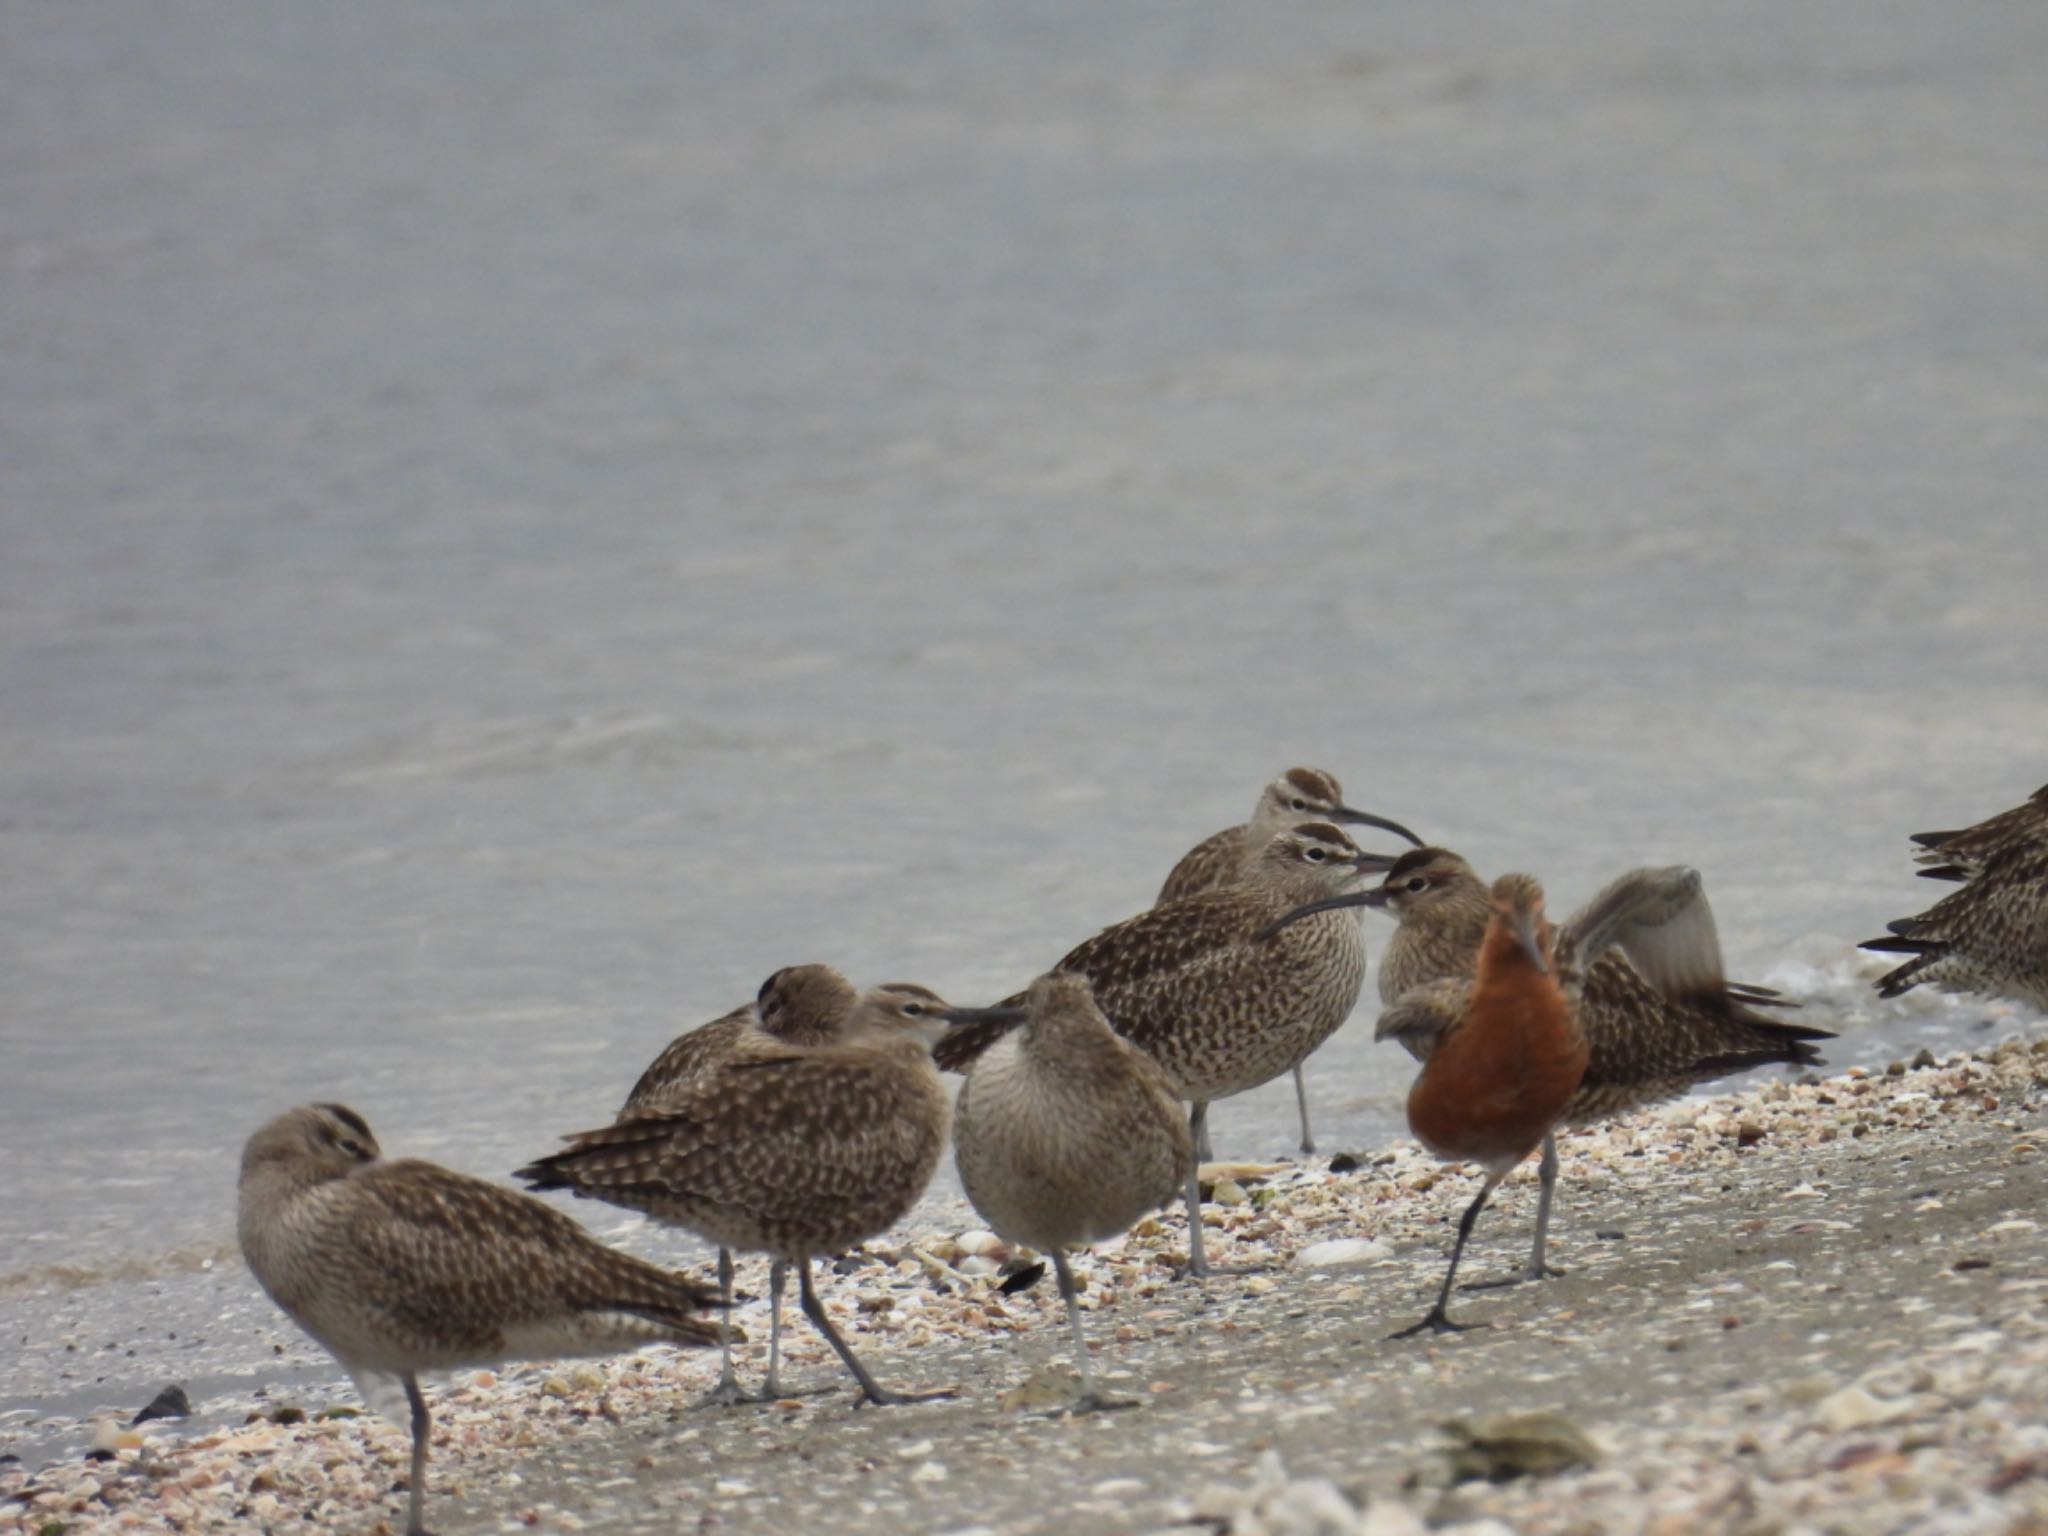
[{"x": 514, "y": 528}]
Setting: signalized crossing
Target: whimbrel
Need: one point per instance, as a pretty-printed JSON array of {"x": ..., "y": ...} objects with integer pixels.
[
  {"x": 1655, "y": 1028},
  {"x": 1964, "y": 854},
  {"x": 1299, "y": 794},
  {"x": 1222, "y": 1009},
  {"x": 793, "y": 1152},
  {"x": 799, "y": 1006},
  {"x": 402, "y": 1267},
  {"x": 1991, "y": 934},
  {"x": 1066, "y": 1134}
]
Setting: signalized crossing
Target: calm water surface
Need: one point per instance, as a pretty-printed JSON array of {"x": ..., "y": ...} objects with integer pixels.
[{"x": 517, "y": 525}]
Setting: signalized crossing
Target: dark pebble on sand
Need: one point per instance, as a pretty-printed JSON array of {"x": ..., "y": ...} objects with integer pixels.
[{"x": 171, "y": 1403}]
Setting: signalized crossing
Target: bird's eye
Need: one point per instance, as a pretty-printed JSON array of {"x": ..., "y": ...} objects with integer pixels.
[
  {"x": 1316, "y": 855},
  {"x": 915, "y": 1010},
  {"x": 1297, "y": 805},
  {"x": 1418, "y": 884}
]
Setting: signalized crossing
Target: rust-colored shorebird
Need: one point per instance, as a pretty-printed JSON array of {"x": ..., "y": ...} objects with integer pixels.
[
  {"x": 1510, "y": 1048},
  {"x": 800, "y": 1006},
  {"x": 1223, "y": 858},
  {"x": 1991, "y": 934},
  {"x": 1509, "y": 1056},
  {"x": 402, "y": 1267},
  {"x": 793, "y": 1152},
  {"x": 1221, "y": 1008},
  {"x": 1065, "y": 1134},
  {"x": 1658, "y": 1015}
]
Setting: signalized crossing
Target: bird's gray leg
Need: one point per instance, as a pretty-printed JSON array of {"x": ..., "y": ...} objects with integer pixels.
[
  {"x": 727, "y": 1392},
  {"x": 772, "y": 1388},
  {"x": 871, "y": 1390},
  {"x": 1308, "y": 1140},
  {"x": 778, "y": 1282},
  {"x": 1198, "y": 1127},
  {"x": 1546, "y": 1173},
  {"x": 1198, "y": 1266},
  {"x": 422, "y": 1432},
  {"x": 1090, "y": 1401}
]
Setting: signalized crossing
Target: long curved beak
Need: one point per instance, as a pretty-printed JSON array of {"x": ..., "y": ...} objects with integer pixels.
[
  {"x": 1000, "y": 1014},
  {"x": 1327, "y": 904},
  {"x": 1345, "y": 813}
]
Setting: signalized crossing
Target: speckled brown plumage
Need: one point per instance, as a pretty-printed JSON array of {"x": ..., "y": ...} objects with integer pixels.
[
  {"x": 1224, "y": 858},
  {"x": 1298, "y": 795},
  {"x": 799, "y": 1007},
  {"x": 795, "y": 1152},
  {"x": 1654, "y": 1027},
  {"x": 1065, "y": 1134},
  {"x": 1221, "y": 1009},
  {"x": 1649, "y": 1043},
  {"x": 402, "y": 1267},
  {"x": 1964, "y": 854},
  {"x": 1991, "y": 934}
]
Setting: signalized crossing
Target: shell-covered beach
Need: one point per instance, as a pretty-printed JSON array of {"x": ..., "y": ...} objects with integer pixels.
[
  {"x": 1813, "y": 1305},
  {"x": 515, "y": 526}
]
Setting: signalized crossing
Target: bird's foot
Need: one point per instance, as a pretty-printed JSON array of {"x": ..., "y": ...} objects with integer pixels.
[
  {"x": 1225, "y": 1271},
  {"x": 730, "y": 1394},
  {"x": 776, "y": 1392},
  {"x": 1436, "y": 1322},
  {"x": 727, "y": 1394},
  {"x": 1534, "y": 1272}
]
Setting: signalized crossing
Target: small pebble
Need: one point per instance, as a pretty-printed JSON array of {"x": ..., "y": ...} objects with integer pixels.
[
  {"x": 1855, "y": 1408},
  {"x": 171, "y": 1403}
]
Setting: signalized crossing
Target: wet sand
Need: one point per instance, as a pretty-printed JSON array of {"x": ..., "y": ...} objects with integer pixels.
[{"x": 1812, "y": 1306}]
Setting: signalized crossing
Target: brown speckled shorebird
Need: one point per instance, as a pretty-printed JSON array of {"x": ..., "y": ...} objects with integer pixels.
[
  {"x": 800, "y": 1006},
  {"x": 1222, "y": 858},
  {"x": 793, "y": 1152},
  {"x": 402, "y": 1267},
  {"x": 1221, "y": 1008},
  {"x": 1965, "y": 854},
  {"x": 1065, "y": 1134},
  {"x": 1658, "y": 1015},
  {"x": 1991, "y": 934}
]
